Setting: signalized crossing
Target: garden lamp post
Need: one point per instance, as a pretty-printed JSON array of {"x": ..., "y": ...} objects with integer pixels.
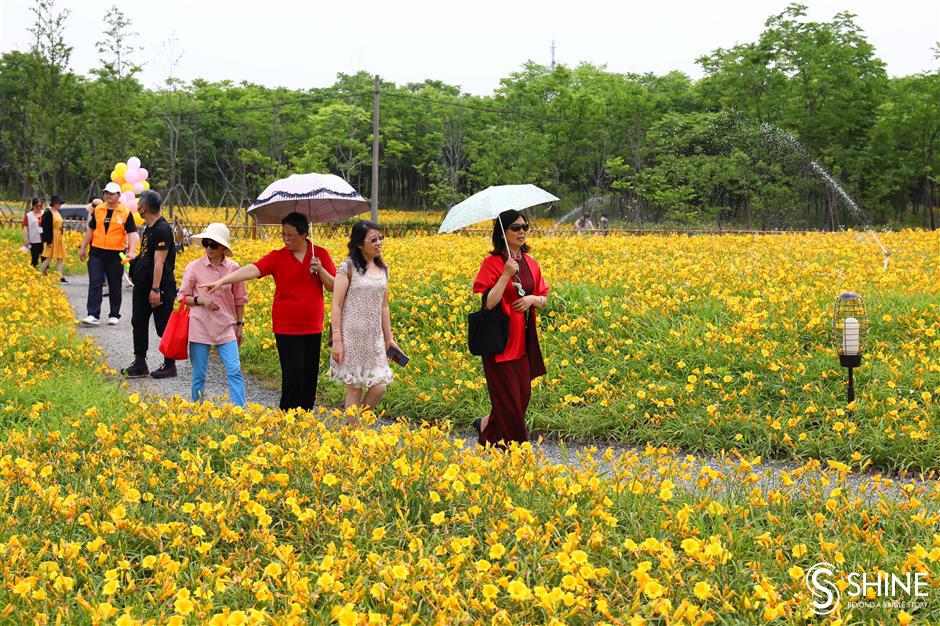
[{"x": 849, "y": 331}]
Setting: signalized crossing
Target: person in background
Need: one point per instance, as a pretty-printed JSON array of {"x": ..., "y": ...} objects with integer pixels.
[
  {"x": 53, "y": 238},
  {"x": 588, "y": 224},
  {"x": 110, "y": 230},
  {"x": 583, "y": 224},
  {"x": 511, "y": 279},
  {"x": 360, "y": 320},
  {"x": 579, "y": 223},
  {"x": 214, "y": 319},
  {"x": 301, "y": 272},
  {"x": 154, "y": 286},
  {"x": 32, "y": 232},
  {"x": 604, "y": 223}
]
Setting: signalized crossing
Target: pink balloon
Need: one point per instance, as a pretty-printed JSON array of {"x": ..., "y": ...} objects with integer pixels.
[
  {"x": 144, "y": 174},
  {"x": 133, "y": 163},
  {"x": 133, "y": 205},
  {"x": 127, "y": 197},
  {"x": 138, "y": 187},
  {"x": 132, "y": 176}
]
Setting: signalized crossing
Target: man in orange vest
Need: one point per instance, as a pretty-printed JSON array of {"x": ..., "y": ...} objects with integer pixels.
[{"x": 111, "y": 229}]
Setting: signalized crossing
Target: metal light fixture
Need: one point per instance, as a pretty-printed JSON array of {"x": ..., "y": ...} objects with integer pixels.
[{"x": 849, "y": 332}]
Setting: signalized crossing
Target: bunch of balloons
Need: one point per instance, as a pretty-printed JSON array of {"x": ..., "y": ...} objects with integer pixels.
[{"x": 133, "y": 181}]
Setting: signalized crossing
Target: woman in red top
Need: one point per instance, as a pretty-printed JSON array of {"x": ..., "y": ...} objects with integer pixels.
[
  {"x": 301, "y": 271},
  {"x": 512, "y": 280}
]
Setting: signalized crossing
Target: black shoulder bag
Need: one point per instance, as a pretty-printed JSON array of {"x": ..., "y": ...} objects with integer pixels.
[{"x": 488, "y": 330}]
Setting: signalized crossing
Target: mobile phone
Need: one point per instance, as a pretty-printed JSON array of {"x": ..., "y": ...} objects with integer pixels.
[{"x": 398, "y": 356}]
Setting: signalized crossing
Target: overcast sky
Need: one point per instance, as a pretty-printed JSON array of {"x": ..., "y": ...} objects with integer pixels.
[{"x": 303, "y": 44}]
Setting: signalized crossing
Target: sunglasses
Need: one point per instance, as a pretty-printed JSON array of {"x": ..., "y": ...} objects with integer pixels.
[
  {"x": 375, "y": 240},
  {"x": 517, "y": 227},
  {"x": 210, "y": 244}
]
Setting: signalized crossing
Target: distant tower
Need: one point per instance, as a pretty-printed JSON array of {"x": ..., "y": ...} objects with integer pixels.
[{"x": 553, "y": 52}]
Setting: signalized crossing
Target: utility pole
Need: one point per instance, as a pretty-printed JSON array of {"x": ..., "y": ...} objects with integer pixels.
[
  {"x": 553, "y": 52},
  {"x": 375, "y": 150}
]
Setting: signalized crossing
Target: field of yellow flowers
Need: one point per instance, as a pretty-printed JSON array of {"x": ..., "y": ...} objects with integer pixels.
[
  {"x": 707, "y": 343},
  {"x": 131, "y": 509},
  {"x": 703, "y": 342}
]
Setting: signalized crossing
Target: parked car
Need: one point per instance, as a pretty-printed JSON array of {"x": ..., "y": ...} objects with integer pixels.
[{"x": 75, "y": 216}]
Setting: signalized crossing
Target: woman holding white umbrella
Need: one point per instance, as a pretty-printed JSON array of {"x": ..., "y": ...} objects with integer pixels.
[{"x": 511, "y": 279}]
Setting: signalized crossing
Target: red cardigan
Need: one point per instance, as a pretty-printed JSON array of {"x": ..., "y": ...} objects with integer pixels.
[{"x": 522, "y": 337}]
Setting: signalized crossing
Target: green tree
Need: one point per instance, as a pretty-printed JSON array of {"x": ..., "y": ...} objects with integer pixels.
[
  {"x": 115, "y": 100},
  {"x": 905, "y": 147},
  {"x": 340, "y": 140},
  {"x": 819, "y": 80},
  {"x": 48, "y": 110}
]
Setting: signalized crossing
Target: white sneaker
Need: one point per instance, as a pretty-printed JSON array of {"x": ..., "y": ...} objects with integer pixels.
[
  {"x": 113, "y": 321},
  {"x": 91, "y": 320}
]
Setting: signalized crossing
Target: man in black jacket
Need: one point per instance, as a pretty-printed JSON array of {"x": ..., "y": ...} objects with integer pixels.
[{"x": 154, "y": 286}]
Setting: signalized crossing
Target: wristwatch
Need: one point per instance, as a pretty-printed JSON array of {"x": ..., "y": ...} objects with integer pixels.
[
  {"x": 155, "y": 289},
  {"x": 239, "y": 323}
]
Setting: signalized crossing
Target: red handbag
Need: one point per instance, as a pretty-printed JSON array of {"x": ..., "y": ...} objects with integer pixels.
[{"x": 175, "y": 341}]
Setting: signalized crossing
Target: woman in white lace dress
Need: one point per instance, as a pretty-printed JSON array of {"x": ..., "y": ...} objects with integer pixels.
[{"x": 360, "y": 323}]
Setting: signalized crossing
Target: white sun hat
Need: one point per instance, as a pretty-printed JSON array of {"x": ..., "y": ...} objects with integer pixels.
[{"x": 217, "y": 232}]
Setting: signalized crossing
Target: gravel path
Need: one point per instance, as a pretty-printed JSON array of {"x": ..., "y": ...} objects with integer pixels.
[{"x": 117, "y": 344}]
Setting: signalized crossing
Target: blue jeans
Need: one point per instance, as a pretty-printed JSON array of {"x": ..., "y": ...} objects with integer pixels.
[{"x": 228, "y": 353}]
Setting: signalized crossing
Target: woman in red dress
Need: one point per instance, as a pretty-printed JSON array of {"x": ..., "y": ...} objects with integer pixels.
[{"x": 513, "y": 280}]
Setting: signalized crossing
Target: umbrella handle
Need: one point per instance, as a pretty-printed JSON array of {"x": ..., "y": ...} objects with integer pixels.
[{"x": 505, "y": 240}]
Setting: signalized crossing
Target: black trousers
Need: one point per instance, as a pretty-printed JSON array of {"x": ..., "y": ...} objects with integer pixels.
[
  {"x": 300, "y": 367},
  {"x": 35, "y": 251},
  {"x": 101, "y": 267},
  {"x": 140, "y": 315}
]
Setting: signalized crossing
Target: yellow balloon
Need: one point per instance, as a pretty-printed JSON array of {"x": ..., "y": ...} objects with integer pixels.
[
  {"x": 146, "y": 185},
  {"x": 117, "y": 178},
  {"x": 120, "y": 168},
  {"x": 127, "y": 187}
]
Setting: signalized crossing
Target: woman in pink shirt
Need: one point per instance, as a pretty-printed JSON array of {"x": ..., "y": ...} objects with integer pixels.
[{"x": 215, "y": 319}]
